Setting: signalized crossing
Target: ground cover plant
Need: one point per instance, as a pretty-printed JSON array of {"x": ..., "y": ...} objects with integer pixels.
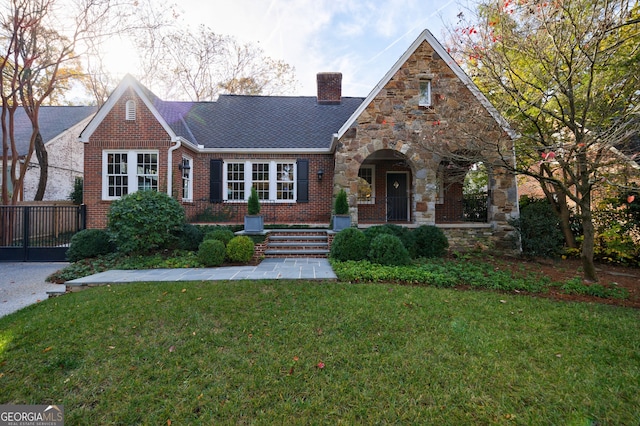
[{"x": 265, "y": 352}]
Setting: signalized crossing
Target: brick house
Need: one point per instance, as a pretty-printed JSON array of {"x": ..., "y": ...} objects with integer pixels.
[{"x": 299, "y": 151}]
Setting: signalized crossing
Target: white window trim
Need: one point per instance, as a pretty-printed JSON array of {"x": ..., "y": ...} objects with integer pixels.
[
  {"x": 425, "y": 101},
  {"x": 132, "y": 169},
  {"x": 189, "y": 196},
  {"x": 373, "y": 184},
  {"x": 273, "y": 179}
]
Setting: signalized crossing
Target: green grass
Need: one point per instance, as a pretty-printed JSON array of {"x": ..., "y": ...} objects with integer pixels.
[{"x": 248, "y": 352}]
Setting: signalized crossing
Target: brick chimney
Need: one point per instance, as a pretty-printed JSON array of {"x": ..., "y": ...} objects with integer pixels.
[{"x": 329, "y": 88}]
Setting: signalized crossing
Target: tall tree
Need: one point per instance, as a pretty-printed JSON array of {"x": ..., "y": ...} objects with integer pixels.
[
  {"x": 39, "y": 59},
  {"x": 564, "y": 73},
  {"x": 200, "y": 65}
]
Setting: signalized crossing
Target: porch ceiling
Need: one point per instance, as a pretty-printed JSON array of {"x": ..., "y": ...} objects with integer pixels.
[{"x": 385, "y": 154}]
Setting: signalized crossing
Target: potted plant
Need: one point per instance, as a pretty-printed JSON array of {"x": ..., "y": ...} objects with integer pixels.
[
  {"x": 253, "y": 222},
  {"x": 341, "y": 218}
]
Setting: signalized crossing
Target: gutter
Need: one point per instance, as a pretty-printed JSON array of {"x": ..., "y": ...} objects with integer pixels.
[{"x": 170, "y": 164}]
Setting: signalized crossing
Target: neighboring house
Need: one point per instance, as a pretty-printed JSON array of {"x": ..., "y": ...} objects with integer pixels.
[
  {"x": 299, "y": 151},
  {"x": 60, "y": 127}
]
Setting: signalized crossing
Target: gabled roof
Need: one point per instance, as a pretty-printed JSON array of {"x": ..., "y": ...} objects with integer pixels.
[
  {"x": 241, "y": 123},
  {"x": 459, "y": 72},
  {"x": 53, "y": 121}
]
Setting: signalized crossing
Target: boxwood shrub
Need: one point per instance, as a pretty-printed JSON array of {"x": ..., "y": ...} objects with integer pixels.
[
  {"x": 240, "y": 249},
  {"x": 430, "y": 241},
  {"x": 211, "y": 253},
  {"x": 349, "y": 244},
  {"x": 387, "y": 249},
  {"x": 89, "y": 243},
  {"x": 221, "y": 233}
]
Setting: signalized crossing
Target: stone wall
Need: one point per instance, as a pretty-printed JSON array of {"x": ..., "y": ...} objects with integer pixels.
[{"x": 424, "y": 135}]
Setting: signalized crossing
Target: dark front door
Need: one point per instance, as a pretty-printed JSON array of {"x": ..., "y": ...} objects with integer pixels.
[{"x": 397, "y": 197}]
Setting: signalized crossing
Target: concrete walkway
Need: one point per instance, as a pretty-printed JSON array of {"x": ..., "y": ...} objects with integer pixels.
[{"x": 268, "y": 269}]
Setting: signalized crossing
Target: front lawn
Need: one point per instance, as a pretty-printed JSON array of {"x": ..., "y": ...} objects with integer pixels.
[{"x": 310, "y": 353}]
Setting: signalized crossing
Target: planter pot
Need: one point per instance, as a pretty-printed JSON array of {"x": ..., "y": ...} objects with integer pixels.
[
  {"x": 253, "y": 224},
  {"x": 341, "y": 221}
]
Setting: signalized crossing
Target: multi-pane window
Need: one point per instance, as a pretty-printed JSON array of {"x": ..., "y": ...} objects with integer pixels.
[
  {"x": 260, "y": 179},
  {"x": 284, "y": 181},
  {"x": 129, "y": 171},
  {"x": 425, "y": 93},
  {"x": 147, "y": 171},
  {"x": 187, "y": 185},
  {"x": 366, "y": 183},
  {"x": 273, "y": 180},
  {"x": 235, "y": 181},
  {"x": 117, "y": 177}
]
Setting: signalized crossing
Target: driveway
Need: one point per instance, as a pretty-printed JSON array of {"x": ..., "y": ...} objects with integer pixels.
[{"x": 23, "y": 284}]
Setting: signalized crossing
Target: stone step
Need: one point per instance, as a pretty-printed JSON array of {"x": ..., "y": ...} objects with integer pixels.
[
  {"x": 298, "y": 244},
  {"x": 298, "y": 253},
  {"x": 298, "y": 237}
]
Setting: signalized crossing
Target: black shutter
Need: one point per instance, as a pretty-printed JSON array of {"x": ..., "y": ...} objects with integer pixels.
[
  {"x": 303, "y": 181},
  {"x": 215, "y": 182}
]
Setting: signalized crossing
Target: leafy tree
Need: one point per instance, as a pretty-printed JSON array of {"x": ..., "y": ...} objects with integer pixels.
[
  {"x": 565, "y": 75},
  {"x": 199, "y": 65}
]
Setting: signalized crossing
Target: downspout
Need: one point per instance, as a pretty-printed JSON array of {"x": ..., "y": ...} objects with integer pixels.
[{"x": 169, "y": 166}]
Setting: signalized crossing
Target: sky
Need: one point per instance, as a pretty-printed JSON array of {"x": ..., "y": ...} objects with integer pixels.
[{"x": 362, "y": 39}]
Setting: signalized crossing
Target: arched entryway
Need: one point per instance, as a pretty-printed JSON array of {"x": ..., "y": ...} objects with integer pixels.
[
  {"x": 385, "y": 189},
  {"x": 462, "y": 191}
]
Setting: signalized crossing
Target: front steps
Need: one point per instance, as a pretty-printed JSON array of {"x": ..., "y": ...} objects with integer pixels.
[{"x": 297, "y": 243}]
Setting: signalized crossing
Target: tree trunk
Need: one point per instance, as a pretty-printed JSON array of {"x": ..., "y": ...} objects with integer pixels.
[
  {"x": 565, "y": 221},
  {"x": 43, "y": 159},
  {"x": 588, "y": 244}
]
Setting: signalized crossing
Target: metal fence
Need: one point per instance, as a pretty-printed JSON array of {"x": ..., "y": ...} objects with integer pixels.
[{"x": 38, "y": 232}]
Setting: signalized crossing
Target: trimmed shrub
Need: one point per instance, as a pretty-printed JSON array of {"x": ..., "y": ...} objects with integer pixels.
[
  {"x": 387, "y": 249},
  {"x": 211, "y": 252},
  {"x": 430, "y": 241},
  {"x": 189, "y": 237},
  {"x": 240, "y": 249},
  {"x": 349, "y": 244},
  {"x": 341, "y": 204},
  {"x": 539, "y": 229},
  {"x": 220, "y": 233},
  {"x": 405, "y": 235},
  {"x": 253, "y": 204},
  {"x": 144, "y": 221},
  {"x": 89, "y": 243}
]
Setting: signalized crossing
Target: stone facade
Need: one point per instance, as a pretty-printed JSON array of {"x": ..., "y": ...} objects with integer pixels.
[{"x": 394, "y": 122}]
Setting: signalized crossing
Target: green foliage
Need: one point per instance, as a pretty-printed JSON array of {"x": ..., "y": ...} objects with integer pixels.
[
  {"x": 341, "y": 204},
  {"x": 89, "y": 243},
  {"x": 617, "y": 223},
  {"x": 76, "y": 193},
  {"x": 349, "y": 244},
  {"x": 253, "y": 205},
  {"x": 221, "y": 233},
  {"x": 539, "y": 228},
  {"x": 387, "y": 249},
  {"x": 211, "y": 253},
  {"x": 405, "y": 235},
  {"x": 144, "y": 221},
  {"x": 240, "y": 249},
  {"x": 189, "y": 237},
  {"x": 430, "y": 241},
  {"x": 576, "y": 286},
  {"x": 441, "y": 273}
]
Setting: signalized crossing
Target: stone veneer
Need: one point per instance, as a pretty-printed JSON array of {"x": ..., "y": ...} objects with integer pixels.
[{"x": 456, "y": 120}]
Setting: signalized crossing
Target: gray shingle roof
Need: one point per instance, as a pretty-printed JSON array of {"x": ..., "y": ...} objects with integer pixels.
[
  {"x": 258, "y": 122},
  {"x": 53, "y": 121}
]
